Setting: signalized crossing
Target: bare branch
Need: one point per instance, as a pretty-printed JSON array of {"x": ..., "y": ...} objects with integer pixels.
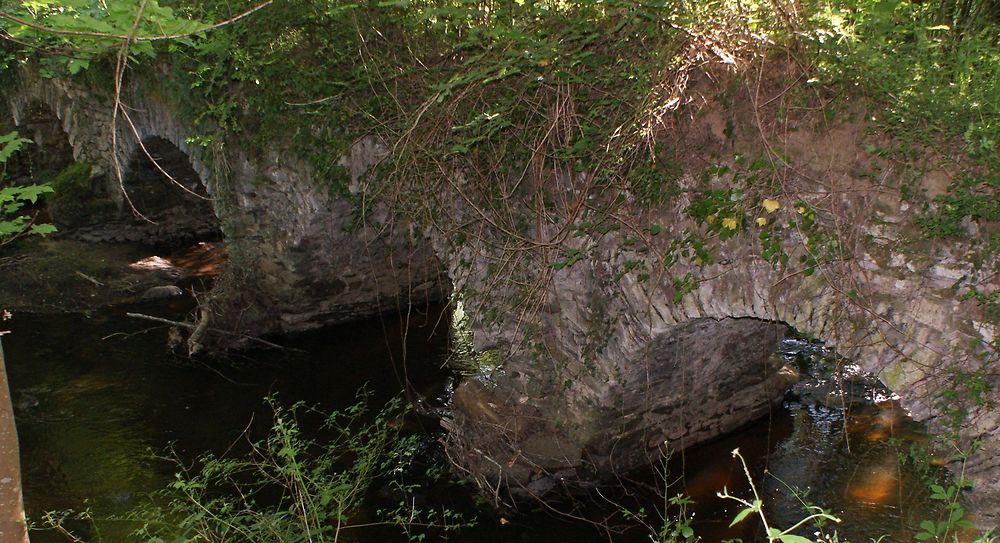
[
  {"x": 120, "y": 65},
  {"x": 190, "y": 326},
  {"x": 156, "y": 163}
]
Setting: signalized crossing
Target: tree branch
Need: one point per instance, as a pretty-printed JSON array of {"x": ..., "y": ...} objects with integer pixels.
[
  {"x": 190, "y": 326},
  {"x": 130, "y": 36}
]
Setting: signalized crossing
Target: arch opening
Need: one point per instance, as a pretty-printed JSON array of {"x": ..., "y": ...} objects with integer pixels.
[
  {"x": 166, "y": 197},
  {"x": 79, "y": 198},
  {"x": 48, "y": 153},
  {"x": 800, "y": 413}
]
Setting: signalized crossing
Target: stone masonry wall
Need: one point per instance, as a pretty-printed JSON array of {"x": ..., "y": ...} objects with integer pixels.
[
  {"x": 297, "y": 261},
  {"x": 888, "y": 302}
]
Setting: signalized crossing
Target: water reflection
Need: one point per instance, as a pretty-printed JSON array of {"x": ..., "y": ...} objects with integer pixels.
[
  {"x": 204, "y": 259},
  {"x": 843, "y": 452}
]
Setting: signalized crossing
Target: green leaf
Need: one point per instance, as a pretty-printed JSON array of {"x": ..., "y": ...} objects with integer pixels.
[
  {"x": 792, "y": 538},
  {"x": 42, "y": 229},
  {"x": 741, "y": 515},
  {"x": 956, "y": 514},
  {"x": 7, "y": 138},
  {"x": 75, "y": 65},
  {"x": 32, "y": 192},
  {"x": 9, "y": 228},
  {"x": 10, "y": 145}
]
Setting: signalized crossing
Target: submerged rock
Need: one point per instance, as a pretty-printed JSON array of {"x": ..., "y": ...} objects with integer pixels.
[{"x": 161, "y": 292}]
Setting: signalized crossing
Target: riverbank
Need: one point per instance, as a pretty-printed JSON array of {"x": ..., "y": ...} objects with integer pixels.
[{"x": 62, "y": 275}]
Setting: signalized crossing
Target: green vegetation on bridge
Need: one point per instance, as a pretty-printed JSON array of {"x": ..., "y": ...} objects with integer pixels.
[{"x": 536, "y": 102}]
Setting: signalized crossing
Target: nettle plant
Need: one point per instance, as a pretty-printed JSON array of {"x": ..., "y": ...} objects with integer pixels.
[{"x": 15, "y": 221}]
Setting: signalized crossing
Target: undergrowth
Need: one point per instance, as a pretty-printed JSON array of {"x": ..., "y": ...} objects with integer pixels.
[
  {"x": 289, "y": 487},
  {"x": 16, "y": 220},
  {"x": 525, "y": 126}
]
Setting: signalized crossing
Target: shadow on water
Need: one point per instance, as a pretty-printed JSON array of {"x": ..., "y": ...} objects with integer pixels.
[{"x": 96, "y": 394}]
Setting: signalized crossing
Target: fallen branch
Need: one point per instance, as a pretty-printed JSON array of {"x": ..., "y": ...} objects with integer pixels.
[
  {"x": 194, "y": 340},
  {"x": 190, "y": 326},
  {"x": 91, "y": 279}
]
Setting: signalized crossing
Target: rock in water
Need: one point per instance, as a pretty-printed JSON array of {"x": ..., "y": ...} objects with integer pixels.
[{"x": 162, "y": 292}]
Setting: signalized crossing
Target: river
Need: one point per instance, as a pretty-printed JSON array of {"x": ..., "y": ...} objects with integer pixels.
[{"x": 98, "y": 399}]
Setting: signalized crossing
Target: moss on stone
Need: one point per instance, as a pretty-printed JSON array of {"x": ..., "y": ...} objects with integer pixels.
[{"x": 74, "y": 201}]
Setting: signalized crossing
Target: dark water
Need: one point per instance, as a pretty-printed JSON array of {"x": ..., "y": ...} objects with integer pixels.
[{"x": 97, "y": 393}]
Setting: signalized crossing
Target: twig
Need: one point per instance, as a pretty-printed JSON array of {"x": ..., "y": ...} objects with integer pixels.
[
  {"x": 121, "y": 63},
  {"x": 91, "y": 279},
  {"x": 194, "y": 340},
  {"x": 190, "y": 326},
  {"x": 22, "y": 232}
]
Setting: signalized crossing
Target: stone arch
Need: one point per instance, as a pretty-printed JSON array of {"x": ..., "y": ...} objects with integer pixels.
[
  {"x": 894, "y": 313},
  {"x": 79, "y": 121},
  {"x": 301, "y": 257},
  {"x": 898, "y": 329},
  {"x": 904, "y": 325},
  {"x": 153, "y": 120},
  {"x": 53, "y": 157},
  {"x": 50, "y": 150},
  {"x": 171, "y": 203},
  {"x": 85, "y": 114}
]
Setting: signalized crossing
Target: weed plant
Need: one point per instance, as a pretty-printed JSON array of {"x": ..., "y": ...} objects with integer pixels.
[
  {"x": 14, "y": 199},
  {"x": 289, "y": 488}
]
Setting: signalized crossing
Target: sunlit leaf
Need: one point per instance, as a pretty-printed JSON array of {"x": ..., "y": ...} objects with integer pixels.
[
  {"x": 741, "y": 515},
  {"x": 42, "y": 229},
  {"x": 792, "y": 538}
]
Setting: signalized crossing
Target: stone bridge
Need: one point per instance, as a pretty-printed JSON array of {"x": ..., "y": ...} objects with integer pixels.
[
  {"x": 618, "y": 358},
  {"x": 683, "y": 338},
  {"x": 681, "y": 362},
  {"x": 296, "y": 258}
]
